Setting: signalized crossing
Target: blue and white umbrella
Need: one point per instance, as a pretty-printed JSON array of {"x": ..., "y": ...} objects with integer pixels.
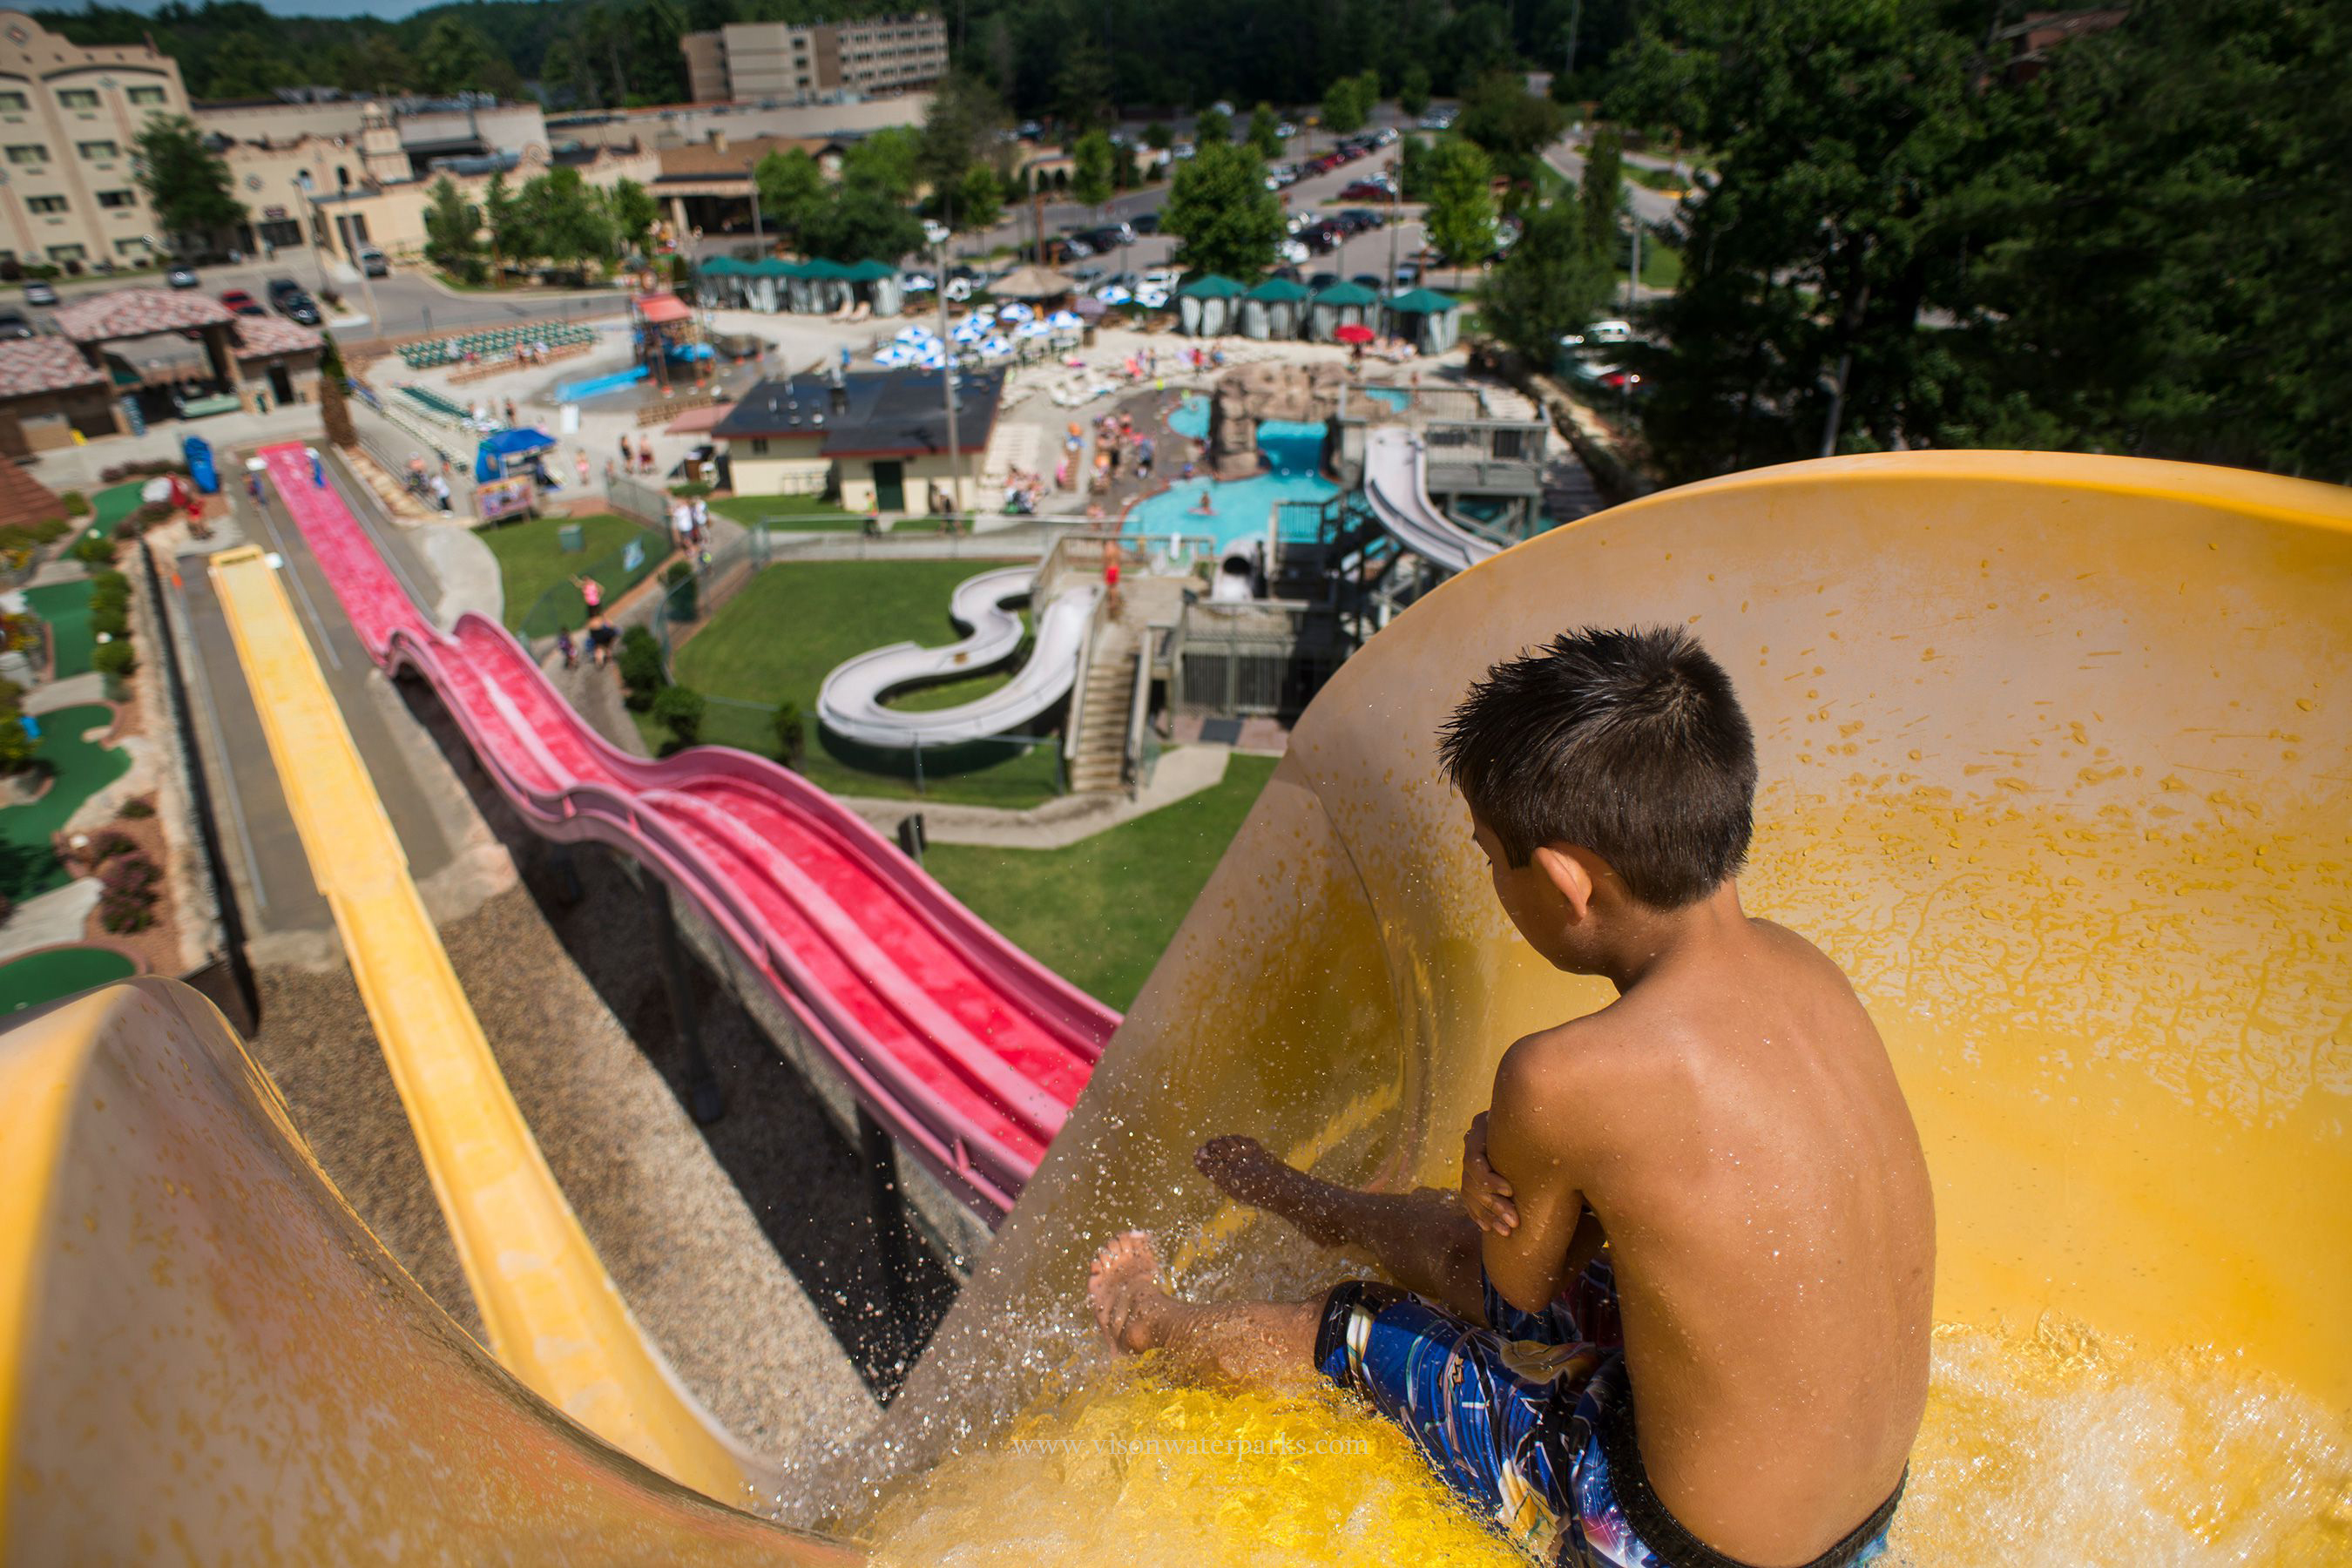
[
  {"x": 1031, "y": 330},
  {"x": 996, "y": 347},
  {"x": 1114, "y": 295},
  {"x": 914, "y": 334},
  {"x": 1064, "y": 321},
  {"x": 890, "y": 356},
  {"x": 969, "y": 332},
  {"x": 1016, "y": 312}
]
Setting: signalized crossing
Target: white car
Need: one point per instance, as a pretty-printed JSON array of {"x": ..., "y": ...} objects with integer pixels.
[
  {"x": 917, "y": 283},
  {"x": 1181, "y": 150},
  {"x": 1163, "y": 279},
  {"x": 1295, "y": 252},
  {"x": 1151, "y": 299},
  {"x": 1610, "y": 332},
  {"x": 1285, "y": 131}
]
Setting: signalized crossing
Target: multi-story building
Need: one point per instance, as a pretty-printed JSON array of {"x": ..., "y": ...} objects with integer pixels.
[
  {"x": 69, "y": 118},
  {"x": 750, "y": 62}
]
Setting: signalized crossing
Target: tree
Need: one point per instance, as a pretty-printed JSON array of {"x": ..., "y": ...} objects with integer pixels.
[
  {"x": 1158, "y": 137},
  {"x": 451, "y": 224},
  {"x": 1090, "y": 175},
  {"x": 1603, "y": 194},
  {"x": 497, "y": 216},
  {"x": 1266, "y": 132},
  {"x": 634, "y": 212},
  {"x": 188, "y": 184},
  {"x": 1412, "y": 91},
  {"x": 1220, "y": 208},
  {"x": 861, "y": 223},
  {"x": 563, "y": 220},
  {"x": 1511, "y": 123},
  {"x": 961, "y": 126},
  {"x": 1461, "y": 218},
  {"x": 334, "y": 396},
  {"x": 792, "y": 188},
  {"x": 1345, "y": 105},
  {"x": 1082, "y": 90},
  {"x": 1212, "y": 125},
  {"x": 455, "y": 57},
  {"x": 979, "y": 198},
  {"x": 1554, "y": 280},
  {"x": 885, "y": 161}
]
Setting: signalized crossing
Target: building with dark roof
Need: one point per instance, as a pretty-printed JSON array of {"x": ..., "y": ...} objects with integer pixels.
[{"x": 878, "y": 439}]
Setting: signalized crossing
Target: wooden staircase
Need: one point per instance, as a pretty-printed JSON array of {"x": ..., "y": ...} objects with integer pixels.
[{"x": 1097, "y": 754}]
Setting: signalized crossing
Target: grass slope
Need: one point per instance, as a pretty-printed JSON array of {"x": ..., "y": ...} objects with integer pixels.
[
  {"x": 1100, "y": 912},
  {"x": 83, "y": 767},
  {"x": 530, "y": 562}
]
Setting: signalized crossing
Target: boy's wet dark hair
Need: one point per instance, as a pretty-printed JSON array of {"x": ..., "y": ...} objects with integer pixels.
[{"x": 1630, "y": 743}]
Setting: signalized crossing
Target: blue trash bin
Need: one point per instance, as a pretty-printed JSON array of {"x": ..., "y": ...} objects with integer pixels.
[{"x": 199, "y": 454}]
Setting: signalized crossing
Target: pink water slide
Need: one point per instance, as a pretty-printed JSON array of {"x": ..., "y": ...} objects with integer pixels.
[{"x": 968, "y": 1050}]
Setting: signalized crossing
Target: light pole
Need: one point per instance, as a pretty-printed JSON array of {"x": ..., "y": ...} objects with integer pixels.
[{"x": 938, "y": 235}]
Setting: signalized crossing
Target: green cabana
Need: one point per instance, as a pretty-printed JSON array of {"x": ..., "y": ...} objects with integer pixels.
[
  {"x": 1274, "y": 308},
  {"x": 1429, "y": 321},
  {"x": 1207, "y": 305},
  {"x": 1340, "y": 305}
]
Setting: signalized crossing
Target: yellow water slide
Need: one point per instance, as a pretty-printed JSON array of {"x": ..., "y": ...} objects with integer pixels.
[{"x": 2058, "y": 764}]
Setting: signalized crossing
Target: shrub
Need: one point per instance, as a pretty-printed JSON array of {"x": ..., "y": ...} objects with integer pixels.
[
  {"x": 107, "y": 845},
  {"x": 641, "y": 667},
  {"x": 138, "y": 807},
  {"x": 687, "y": 489},
  {"x": 17, "y": 748},
  {"x": 784, "y": 724},
  {"x": 93, "y": 550},
  {"x": 140, "y": 468},
  {"x": 147, "y": 515},
  {"x": 129, "y": 888},
  {"x": 76, "y": 503},
  {"x": 114, "y": 660},
  {"x": 683, "y": 592},
  {"x": 679, "y": 710}
]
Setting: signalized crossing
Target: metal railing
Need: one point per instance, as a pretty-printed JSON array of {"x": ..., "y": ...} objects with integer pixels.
[
  {"x": 559, "y": 608},
  {"x": 648, "y": 501},
  {"x": 1142, "y": 740}
]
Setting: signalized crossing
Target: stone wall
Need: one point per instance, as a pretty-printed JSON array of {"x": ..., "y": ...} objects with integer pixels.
[{"x": 1298, "y": 393}]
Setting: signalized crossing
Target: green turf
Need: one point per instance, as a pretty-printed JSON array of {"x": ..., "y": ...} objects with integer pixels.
[
  {"x": 111, "y": 505},
  {"x": 785, "y": 515},
  {"x": 1662, "y": 264},
  {"x": 532, "y": 566},
  {"x": 1100, "y": 912},
  {"x": 66, "y": 606},
  {"x": 82, "y": 768},
  {"x": 775, "y": 641},
  {"x": 41, "y": 977}
]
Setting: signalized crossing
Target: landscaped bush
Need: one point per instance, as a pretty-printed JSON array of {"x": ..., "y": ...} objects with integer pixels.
[
  {"x": 110, "y": 605},
  {"x": 93, "y": 550},
  {"x": 129, "y": 888},
  {"x": 641, "y": 669},
  {"x": 138, "y": 807},
  {"x": 683, "y": 592},
  {"x": 679, "y": 711},
  {"x": 114, "y": 660},
  {"x": 786, "y": 726},
  {"x": 76, "y": 503},
  {"x": 107, "y": 845},
  {"x": 18, "y": 750},
  {"x": 147, "y": 516},
  {"x": 141, "y": 468}
]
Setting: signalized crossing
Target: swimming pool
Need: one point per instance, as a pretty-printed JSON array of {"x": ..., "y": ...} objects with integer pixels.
[
  {"x": 1191, "y": 416},
  {"x": 1396, "y": 397},
  {"x": 1240, "y": 508},
  {"x": 600, "y": 385}
]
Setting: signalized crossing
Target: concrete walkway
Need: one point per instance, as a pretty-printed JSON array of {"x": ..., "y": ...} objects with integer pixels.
[{"x": 54, "y": 919}]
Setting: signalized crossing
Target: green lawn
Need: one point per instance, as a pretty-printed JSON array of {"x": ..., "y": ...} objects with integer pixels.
[
  {"x": 532, "y": 565},
  {"x": 1100, "y": 912},
  {"x": 794, "y": 514},
  {"x": 41, "y": 977},
  {"x": 112, "y": 504},
  {"x": 28, "y": 864},
  {"x": 1662, "y": 264},
  {"x": 777, "y": 640},
  {"x": 66, "y": 606}
]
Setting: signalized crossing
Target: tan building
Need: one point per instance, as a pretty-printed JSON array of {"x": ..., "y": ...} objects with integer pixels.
[
  {"x": 68, "y": 117},
  {"x": 748, "y": 62}
]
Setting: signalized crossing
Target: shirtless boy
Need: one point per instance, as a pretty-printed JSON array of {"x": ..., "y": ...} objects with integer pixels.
[{"x": 1678, "y": 1314}]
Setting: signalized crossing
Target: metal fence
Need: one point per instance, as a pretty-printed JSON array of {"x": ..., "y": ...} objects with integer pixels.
[{"x": 560, "y": 608}]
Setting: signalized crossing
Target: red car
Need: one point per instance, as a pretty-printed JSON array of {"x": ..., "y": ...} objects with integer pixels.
[
  {"x": 241, "y": 303},
  {"x": 1365, "y": 191}
]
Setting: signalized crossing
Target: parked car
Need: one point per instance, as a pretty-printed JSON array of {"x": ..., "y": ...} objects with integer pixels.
[
  {"x": 1408, "y": 274},
  {"x": 292, "y": 301},
  {"x": 1162, "y": 278},
  {"x": 1076, "y": 248},
  {"x": 14, "y": 325},
  {"x": 374, "y": 262},
  {"x": 1145, "y": 222},
  {"x": 240, "y": 303},
  {"x": 39, "y": 293},
  {"x": 1369, "y": 218},
  {"x": 1372, "y": 190},
  {"x": 1370, "y": 281},
  {"x": 1293, "y": 252},
  {"x": 1111, "y": 235},
  {"x": 1181, "y": 150},
  {"x": 182, "y": 278},
  {"x": 1322, "y": 280}
]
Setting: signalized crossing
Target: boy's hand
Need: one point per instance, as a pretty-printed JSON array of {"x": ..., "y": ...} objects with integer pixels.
[{"x": 1485, "y": 1195}]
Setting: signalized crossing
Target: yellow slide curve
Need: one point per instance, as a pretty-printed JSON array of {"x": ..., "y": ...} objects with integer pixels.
[{"x": 2058, "y": 765}]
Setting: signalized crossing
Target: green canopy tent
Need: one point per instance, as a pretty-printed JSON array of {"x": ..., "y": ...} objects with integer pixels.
[
  {"x": 820, "y": 288},
  {"x": 1426, "y": 318},
  {"x": 875, "y": 285},
  {"x": 1340, "y": 305},
  {"x": 1207, "y": 305},
  {"x": 1274, "y": 308}
]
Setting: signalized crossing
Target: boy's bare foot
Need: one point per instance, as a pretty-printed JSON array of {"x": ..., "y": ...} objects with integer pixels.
[
  {"x": 1249, "y": 1172},
  {"x": 1131, "y": 1309}
]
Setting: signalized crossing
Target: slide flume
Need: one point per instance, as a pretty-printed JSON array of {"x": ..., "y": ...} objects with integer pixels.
[
  {"x": 966, "y": 1048},
  {"x": 1396, "y": 484},
  {"x": 2057, "y": 758},
  {"x": 850, "y": 699}
]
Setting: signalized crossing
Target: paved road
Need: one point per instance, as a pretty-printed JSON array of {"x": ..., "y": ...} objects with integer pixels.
[{"x": 409, "y": 302}]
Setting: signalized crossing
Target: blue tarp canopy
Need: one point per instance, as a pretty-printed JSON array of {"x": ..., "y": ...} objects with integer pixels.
[{"x": 490, "y": 458}]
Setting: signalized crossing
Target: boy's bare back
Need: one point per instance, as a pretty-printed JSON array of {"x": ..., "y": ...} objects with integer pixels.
[{"x": 1734, "y": 1123}]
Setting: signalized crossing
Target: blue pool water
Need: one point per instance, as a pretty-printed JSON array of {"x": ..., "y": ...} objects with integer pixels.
[
  {"x": 1191, "y": 416},
  {"x": 598, "y": 385},
  {"x": 1241, "y": 508},
  {"x": 1396, "y": 397}
]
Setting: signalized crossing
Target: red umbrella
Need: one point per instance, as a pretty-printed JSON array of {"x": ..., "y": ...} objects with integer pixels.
[{"x": 1356, "y": 332}]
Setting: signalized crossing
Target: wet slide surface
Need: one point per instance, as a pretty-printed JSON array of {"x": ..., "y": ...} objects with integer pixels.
[
  {"x": 962, "y": 1046},
  {"x": 1395, "y": 483}
]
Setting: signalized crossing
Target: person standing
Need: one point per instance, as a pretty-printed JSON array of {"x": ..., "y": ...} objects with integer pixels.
[
  {"x": 318, "y": 468},
  {"x": 440, "y": 488},
  {"x": 701, "y": 521},
  {"x": 579, "y": 462},
  {"x": 628, "y": 458}
]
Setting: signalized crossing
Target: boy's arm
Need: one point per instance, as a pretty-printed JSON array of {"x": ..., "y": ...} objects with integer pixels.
[{"x": 1527, "y": 1146}]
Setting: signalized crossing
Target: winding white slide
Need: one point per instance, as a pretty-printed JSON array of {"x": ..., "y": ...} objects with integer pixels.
[
  {"x": 1394, "y": 483},
  {"x": 850, "y": 701}
]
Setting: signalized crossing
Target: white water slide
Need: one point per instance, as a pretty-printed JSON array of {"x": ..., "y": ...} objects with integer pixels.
[
  {"x": 850, "y": 701},
  {"x": 1395, "y": 483}
]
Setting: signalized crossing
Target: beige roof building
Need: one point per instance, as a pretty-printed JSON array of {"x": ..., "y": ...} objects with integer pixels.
[
  {"x": 749, "y": 62},
  {"x": 68, "y": 116}
]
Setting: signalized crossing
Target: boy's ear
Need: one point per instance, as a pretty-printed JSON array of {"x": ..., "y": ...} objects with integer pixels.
[{"x": 1565, "y": 869}]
